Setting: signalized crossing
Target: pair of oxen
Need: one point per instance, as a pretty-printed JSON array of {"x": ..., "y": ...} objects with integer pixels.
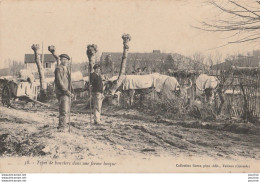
[{"x": 163, "y": 85}]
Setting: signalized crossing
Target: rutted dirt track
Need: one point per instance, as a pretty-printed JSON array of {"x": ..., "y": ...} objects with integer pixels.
[{"x": 31, "y": 131}]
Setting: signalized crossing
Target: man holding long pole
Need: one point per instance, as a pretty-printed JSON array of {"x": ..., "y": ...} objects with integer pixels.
[
  {"x": 63, "y": 91},
  {"x": 97, "y": 88}
]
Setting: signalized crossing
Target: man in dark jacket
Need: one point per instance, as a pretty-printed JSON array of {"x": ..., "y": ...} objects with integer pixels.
[
  {"x": 97, "y": 91},
  {"x": 63, "y": 90}
]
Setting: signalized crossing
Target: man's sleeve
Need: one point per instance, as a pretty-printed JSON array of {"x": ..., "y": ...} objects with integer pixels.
[
  {"x": 92, "y": 78},
  {"x": 59, "y": 81}
]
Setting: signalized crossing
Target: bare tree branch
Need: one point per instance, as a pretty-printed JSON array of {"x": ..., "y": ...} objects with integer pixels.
[
  {"x": 231, "y": 11},
  {"x": 247, "y": 10},
  {"x": 247, "y": 40},
  {"x": 235, "y": 17}
]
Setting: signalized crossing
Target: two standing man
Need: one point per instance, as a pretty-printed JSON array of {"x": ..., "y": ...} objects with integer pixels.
[{"x": 63, "y": 89}]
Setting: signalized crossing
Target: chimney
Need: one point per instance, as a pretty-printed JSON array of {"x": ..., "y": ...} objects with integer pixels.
[{"x": 156, "y": 51}]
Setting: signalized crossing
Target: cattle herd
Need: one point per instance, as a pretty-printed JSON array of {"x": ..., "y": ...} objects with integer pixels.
[{"x": 143, "y": 84}]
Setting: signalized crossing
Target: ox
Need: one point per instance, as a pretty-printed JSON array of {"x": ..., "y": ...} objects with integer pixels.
[
  {"x": 206, "y": 87},
  {"x": 143, "y": 84}
]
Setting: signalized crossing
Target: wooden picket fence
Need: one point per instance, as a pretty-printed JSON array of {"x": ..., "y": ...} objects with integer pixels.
[
  {"x": 243, "y": 97},
  {"x": 242, "y": 93}
]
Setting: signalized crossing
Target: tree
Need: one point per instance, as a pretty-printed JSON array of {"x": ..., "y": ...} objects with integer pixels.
[
  {"x": 15, "y": 67},
  {"x": 170, "y": 63},
  {"x": 209, "y": 60},
  {"x": 197, "y": 61},
  {"x": 43, "y": 88},
  {"x": 109, "y": 65},
  {"x": 126, "y": 39},
  {"x": 52, "y": 49},
  {"x": 91, "y": 53},
  {"x": 239, "y": 17}
]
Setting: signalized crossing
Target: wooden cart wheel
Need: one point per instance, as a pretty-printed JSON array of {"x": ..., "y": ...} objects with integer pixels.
[{"x": 6, "y": 96}]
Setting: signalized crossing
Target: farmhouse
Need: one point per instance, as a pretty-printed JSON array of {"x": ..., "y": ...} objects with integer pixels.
[
  {"x": 156, "y": 61},
  {"x": 49, "y": 62},
  {"x": 156, "y": 55}
]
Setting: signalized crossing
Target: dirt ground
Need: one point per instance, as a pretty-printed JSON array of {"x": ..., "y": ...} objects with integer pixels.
[{"x": 30, "y": 130}]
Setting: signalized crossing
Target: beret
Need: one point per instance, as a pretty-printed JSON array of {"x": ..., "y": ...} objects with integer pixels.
[
  {"x": 64, "y": 56},
  {"x": 96, "y": 66}
]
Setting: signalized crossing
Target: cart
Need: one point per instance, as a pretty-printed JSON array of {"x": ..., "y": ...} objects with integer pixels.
[{"x": 18, "y": 88}]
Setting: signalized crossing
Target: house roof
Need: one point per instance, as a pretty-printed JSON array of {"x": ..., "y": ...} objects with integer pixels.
[
  {"x": 245, "y": 61},
  {"x": 29, "y": 58}
]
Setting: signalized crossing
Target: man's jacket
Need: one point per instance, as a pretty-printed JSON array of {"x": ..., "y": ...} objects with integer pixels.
[
  {"x": 62, "y": 80},
  {"x": 96, "y": 82}
]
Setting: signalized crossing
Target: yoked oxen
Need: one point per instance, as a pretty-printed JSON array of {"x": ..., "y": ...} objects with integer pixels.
[
  {"x": 143, "y": 84},
  {"x": 206, "y": 87}
]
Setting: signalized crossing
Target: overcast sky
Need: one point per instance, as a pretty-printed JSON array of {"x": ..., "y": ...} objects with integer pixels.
[{"x": 72, "y": 25}]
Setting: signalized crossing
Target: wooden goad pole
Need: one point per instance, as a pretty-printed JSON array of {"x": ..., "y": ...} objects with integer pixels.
[
  {"x": 91, "y": 53},
  {"x": 70, "y": 91}
]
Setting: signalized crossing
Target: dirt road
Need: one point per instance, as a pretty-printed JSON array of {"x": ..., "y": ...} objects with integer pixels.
[{"x": 31, "y": 131}]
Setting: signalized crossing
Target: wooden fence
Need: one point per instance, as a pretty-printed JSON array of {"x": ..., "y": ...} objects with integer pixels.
[
  {"x": 241, "y": 92},
  {"x": 242, "y": 97}
]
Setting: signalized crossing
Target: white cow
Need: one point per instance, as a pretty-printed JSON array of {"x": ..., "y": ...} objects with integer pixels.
[
  {"x": 206, "y": 87},
  {"x": 144, "y": 84}
]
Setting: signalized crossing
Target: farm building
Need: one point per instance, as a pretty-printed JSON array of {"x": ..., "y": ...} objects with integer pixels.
[
  {"x": 153, "y": 56},
  {"x": 240, "y": 61},
  {"x": 49, "y": 62},
  {"x": 155, "y": 61}
]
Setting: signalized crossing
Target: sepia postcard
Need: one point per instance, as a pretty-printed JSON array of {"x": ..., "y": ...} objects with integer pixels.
[{"x": 122, "y": 86}]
